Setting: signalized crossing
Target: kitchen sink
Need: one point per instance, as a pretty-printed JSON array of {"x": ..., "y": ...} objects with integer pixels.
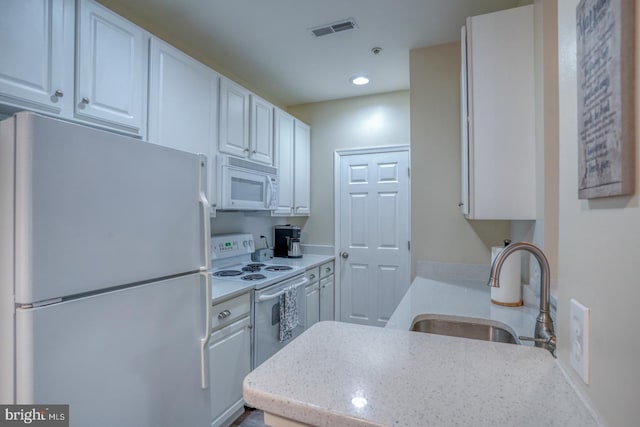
[{"x": 464, "y": 327}]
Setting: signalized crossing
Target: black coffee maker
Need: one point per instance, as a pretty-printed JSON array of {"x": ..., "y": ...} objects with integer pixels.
[{"x": 282, "y": 234}]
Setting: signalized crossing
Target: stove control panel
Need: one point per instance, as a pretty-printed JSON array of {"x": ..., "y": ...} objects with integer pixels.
[{"x": 229, "y": 245}]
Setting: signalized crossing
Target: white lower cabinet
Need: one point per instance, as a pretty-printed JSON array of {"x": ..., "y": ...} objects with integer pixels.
[
  {"x": 312, "y": 293},
  {"x": 313, "y": 304},
  {"x": 327, "y": 295},
  {"x": 327, "y": 292},
  {"x": 229, "y": 359}
]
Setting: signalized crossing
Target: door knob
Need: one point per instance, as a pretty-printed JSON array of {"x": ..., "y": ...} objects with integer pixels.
[{"x": 344, "y": 255}]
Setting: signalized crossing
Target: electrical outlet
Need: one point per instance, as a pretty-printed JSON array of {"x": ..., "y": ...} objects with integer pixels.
[{"x": 579, "y": 339}]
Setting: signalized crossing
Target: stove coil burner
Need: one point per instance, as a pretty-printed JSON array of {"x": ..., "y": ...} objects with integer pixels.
[
  {"x": 252, "y": 267},
  {"x": 251, "y": 277},
  {"x": 227, "y": 273},
  {"x": 256, "y": 264},
  {"x": 278, "y": 268}
]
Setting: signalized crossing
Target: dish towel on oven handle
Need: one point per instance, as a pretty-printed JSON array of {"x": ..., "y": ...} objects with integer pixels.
[{"x": 288, "y": 313}]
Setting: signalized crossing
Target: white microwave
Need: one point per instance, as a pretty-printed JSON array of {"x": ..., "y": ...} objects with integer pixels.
[{"x": 246, "y": 185}]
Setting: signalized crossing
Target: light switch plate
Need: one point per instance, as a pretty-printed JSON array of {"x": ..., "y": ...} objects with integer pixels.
[{"x": 579, "y": 339}]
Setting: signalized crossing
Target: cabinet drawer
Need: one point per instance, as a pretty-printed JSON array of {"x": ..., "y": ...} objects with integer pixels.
[
  {"x": 312, "y": 274},
  {"x": 326, "y": 269},
  {"x": 228, "y": 311}
]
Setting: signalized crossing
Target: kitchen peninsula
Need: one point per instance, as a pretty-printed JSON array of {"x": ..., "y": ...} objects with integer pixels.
[{"x": 351, "y": 375}]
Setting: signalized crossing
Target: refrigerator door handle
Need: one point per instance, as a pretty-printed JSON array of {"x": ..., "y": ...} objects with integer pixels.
[
  {"x": 204, "y": 271},
  {"x": 204, "y": 341}
]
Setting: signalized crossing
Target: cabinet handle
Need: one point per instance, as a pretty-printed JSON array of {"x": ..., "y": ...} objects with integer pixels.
[
  {"x": 85, "y": 100},
  {"x": 246, "y": 150},
  {"x": 224, "y": 314},
  {"x": 59, "y": 93},
  {"x": 460, "y": 204},
  {"x": 328, "y": 269},
  {"x": 312, "y": 276},
  {"x": 344, "y": 255},
  {"x": 254, "y": 152}
]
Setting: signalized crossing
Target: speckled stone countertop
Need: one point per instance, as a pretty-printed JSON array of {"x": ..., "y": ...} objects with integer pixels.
[
  {"x": 339, "y": 374},
  {"x": 467, "y": 298}
]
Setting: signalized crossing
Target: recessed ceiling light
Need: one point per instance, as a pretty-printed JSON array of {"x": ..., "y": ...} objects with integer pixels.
[{"x": 359, "y": 80}]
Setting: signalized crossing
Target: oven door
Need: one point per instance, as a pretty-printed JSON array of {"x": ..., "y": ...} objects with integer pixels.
[
  {"x": 266, "y": 329},
  {"x": 247, "y": 190}
]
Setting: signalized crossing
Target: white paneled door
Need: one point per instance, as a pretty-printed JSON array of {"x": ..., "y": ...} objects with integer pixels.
[{"x": 373, "y": 234}]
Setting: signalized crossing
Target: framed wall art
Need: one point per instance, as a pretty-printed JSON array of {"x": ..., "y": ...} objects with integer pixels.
[{"x": 606, "y": 122}]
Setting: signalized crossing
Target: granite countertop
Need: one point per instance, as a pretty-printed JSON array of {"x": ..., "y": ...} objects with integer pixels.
[
  {"x": 469, "y": 299},
  {"x": 352, "y": 375}
]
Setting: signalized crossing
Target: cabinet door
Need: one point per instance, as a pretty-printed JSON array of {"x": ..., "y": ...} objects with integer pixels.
[
  {"x": 312, "y": 305},
  {"x": 327, "y": 291},
  {"x": 261, "y": 131},
  {"x": 302, "y": 169},
  {"x": 111, "y": 74},
  {"x": 37, "y": 44},
  {"x": 501, "y": 102},
  {"x": 234, "y": 119},
  {"x": 284, "y": 135},
  {"x": 183, "y": 102},
  {"x": 230, "y": 362}
]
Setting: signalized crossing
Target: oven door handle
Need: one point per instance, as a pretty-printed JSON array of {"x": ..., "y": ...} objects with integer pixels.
[{"x": 267, "y": 297}]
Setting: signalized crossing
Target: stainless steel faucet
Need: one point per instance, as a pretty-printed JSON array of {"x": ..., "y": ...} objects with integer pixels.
[{"x": 544, "y": 336}]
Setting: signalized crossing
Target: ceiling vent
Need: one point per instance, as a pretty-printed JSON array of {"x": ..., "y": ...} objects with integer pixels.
[{"x": 336, "y": 27}]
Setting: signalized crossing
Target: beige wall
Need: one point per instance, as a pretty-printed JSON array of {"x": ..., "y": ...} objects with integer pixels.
[
  {"x": 439, "y": 231},
  {"x": 368, "y": 121},
  {"x": 599, "y": 249}
]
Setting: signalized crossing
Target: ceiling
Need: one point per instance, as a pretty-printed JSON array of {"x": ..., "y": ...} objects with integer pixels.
[{"x": 266, "y": 45}]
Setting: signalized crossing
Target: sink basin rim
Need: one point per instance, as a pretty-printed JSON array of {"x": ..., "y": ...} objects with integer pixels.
[{"x": 499, "y": 326}]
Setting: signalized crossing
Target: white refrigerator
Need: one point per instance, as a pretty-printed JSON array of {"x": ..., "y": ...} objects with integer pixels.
[{"x": 104, "y": 290}]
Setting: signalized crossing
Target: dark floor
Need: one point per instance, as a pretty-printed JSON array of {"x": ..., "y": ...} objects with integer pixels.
[{"x": 250, "y": 418}]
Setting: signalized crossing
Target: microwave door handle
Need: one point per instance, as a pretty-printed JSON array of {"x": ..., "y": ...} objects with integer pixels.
[{"x": 272, "y": 192}]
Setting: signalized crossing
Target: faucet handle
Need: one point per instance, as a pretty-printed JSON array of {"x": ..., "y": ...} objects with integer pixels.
[
  {"x": 542, "y": 340},
  {"x": 549, "y": 344}
]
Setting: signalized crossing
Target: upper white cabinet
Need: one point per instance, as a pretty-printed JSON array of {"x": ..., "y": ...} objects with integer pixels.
[
  {"x": 106, "y": 86},
  {"x": 293, "y": 160},
  {"x": 284, "y": 137},
  {"x": 183, "y": 103},
  {"x": 246, "y": 123},
  {"x": 112, "y": 68},
  {"x": 261, "y": 131},
  {"x": 302, "y": 169},
  {"x": 498, "y": 117},
  {"x": 37, "y": 45},
  {"x": 234, "y": 119}
]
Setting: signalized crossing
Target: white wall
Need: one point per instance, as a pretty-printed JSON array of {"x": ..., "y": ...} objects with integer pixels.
[
  {"x": 439, "y": 231},
  {"x": 598, "y": 254},
  {"x": 368, "y": 121}
]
